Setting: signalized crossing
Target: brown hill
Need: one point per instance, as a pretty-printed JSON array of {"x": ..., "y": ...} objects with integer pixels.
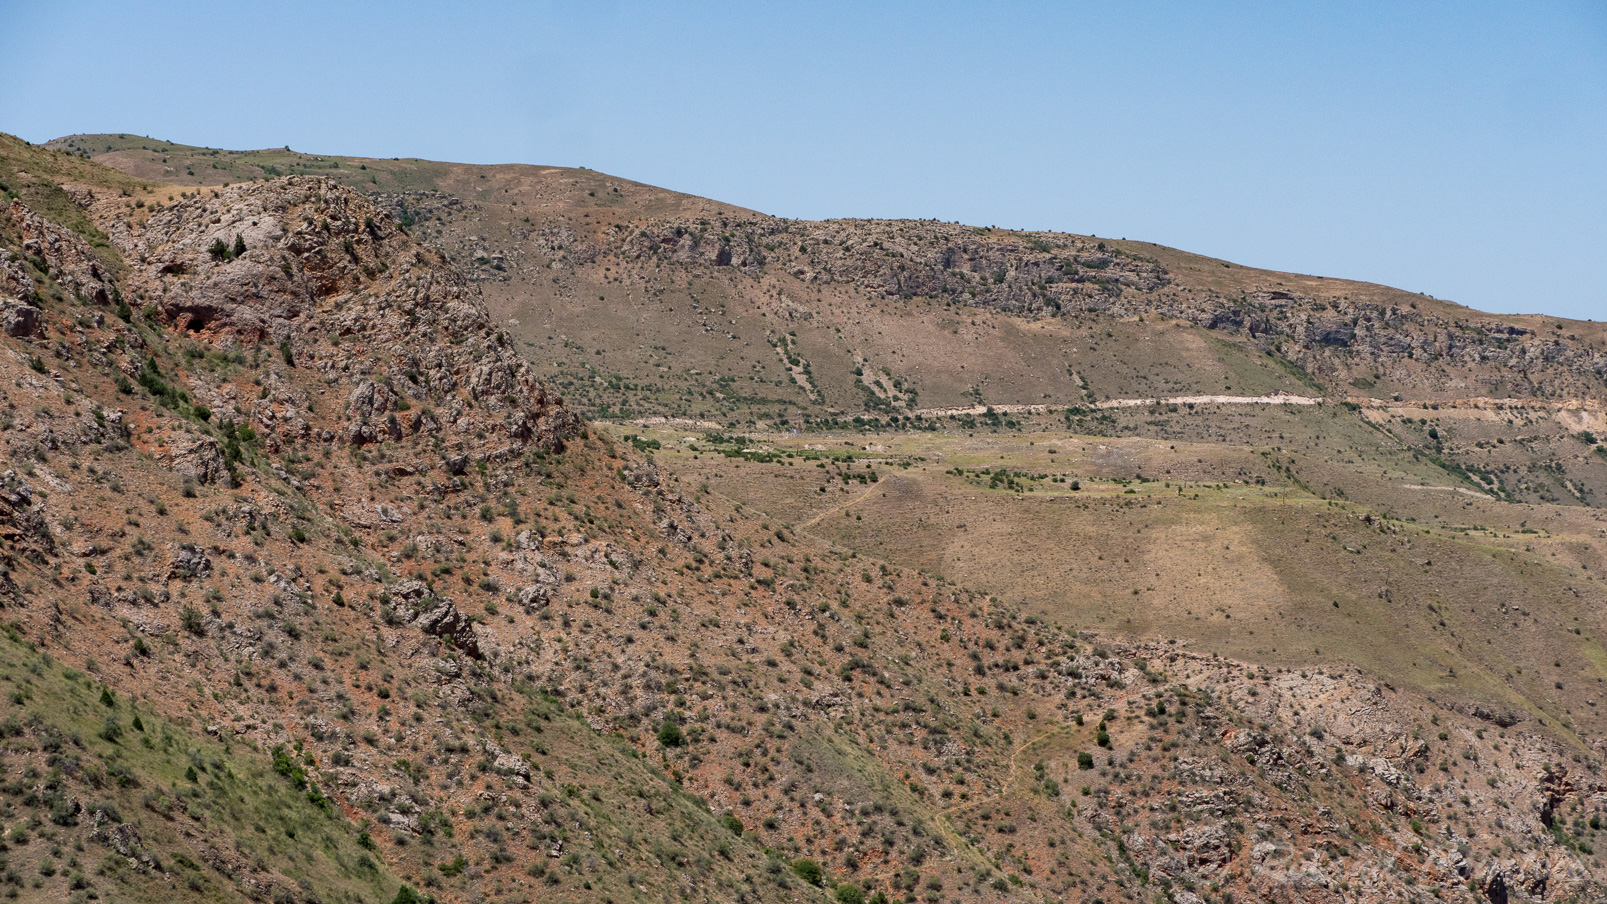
[{"x": 295, "y": 504}]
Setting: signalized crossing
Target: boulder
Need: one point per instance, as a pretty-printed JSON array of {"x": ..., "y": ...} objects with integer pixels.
[
  {"x": 190, "y": 562},
  {"x": 535, "y": 597},
  {"x": 447, "y": 623},
  {"x": 20, "y": 320},
  {"x": 200, "y": 460}
]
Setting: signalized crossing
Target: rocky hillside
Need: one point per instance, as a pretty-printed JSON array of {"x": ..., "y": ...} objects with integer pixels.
[
  {"x": 606, "y": 281},
  {"x": 1326, "y": 327},
  {"x": 314, "y": 592}
]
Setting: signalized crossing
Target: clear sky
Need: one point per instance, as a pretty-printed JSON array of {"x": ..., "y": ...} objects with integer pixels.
[{"x": 1457, "y": 148}]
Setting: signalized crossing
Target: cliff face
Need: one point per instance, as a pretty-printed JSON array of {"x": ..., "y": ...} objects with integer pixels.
[{"x": 313, "y": 592}]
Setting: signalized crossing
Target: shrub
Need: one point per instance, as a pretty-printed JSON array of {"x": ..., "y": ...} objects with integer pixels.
[
  {"x": 670, "y": 735},
  {"x": 64, "y": 812},
  {"x": 1085, "y": 760},
  {"x": 456, "y": 867},
  {"x": 190, "y": 619},
  {"x": 849, "y": 894},
  {"x": 286, "y": 765},
  {"x": 808, "y": 870}
]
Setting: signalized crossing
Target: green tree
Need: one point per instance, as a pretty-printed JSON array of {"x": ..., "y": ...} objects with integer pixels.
[
  {"x": 849, "y": 894},
  {"x": 669, "y": 734},
  {"x": 239, "y": 246}
]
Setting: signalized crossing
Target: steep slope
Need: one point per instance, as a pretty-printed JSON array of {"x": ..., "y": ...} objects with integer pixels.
[{"x": 296, "y": 493}]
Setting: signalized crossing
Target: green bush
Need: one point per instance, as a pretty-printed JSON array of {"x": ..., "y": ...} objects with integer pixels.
[
  {"x": 808, "y": 870},
  {"x": 670, "y": 735},
  {"x": 190, "y": 619},
  {"x": 849, "y": 894}
]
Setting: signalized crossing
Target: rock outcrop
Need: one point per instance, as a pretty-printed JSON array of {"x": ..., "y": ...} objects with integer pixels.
[
  {"x": 446, "y": 622},
  {"x": 344, "y": 299}
]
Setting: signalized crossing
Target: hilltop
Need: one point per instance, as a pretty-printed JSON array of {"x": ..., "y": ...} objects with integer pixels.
[{"x": 318, "y": 590}]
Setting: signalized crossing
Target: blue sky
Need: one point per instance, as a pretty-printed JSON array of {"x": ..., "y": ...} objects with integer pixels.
[{"x": 1458, "y": 149}]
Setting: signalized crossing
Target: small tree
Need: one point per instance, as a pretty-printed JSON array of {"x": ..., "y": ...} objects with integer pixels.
[
  {"x": 239, "y": 246},
  {"x": 669, "y": 734},
  {"x": 849, "y": 894},
  {"x": 218, "y": 250}
]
